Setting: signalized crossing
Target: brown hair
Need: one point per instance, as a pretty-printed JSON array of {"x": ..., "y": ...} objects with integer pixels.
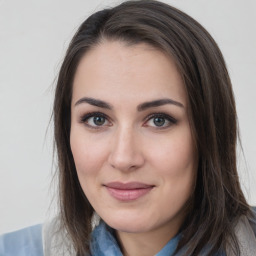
[{"x": 218, "y": 200}]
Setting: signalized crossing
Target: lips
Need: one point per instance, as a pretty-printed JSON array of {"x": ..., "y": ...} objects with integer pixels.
[{"x": 128, "y": 191}]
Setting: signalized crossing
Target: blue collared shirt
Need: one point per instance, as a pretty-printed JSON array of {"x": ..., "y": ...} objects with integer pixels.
[
  {"x": 28, "y": 242},
  {"x": 104, "y": 243},
  {"x": 24, "y": 242}
]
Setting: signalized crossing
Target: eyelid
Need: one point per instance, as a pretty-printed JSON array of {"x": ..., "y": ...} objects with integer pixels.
[
  {"x": 84, "y": 118},
  {"x": 169, "y": 118}
]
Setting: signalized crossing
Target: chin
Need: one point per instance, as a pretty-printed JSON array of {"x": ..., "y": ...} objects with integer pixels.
[{"x": 129, "y": 224}]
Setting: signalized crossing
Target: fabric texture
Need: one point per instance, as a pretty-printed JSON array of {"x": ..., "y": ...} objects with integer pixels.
[
  {"x": 104, "y": 243},
  {"x": 25, "y": 242},
  {"x": 246, "y": 238},
  {"x": 55, "y": 240},
  {"x": 46, "y": 240}
]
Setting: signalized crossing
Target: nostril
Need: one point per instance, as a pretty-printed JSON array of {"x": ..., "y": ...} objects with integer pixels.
[{"x": 126, "y": 162}]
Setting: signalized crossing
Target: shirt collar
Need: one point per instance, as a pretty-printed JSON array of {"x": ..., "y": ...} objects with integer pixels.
[{"x": 103, "y": 243}]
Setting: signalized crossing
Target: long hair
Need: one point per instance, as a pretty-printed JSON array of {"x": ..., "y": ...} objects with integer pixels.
[{"x": 218, "y": 201}]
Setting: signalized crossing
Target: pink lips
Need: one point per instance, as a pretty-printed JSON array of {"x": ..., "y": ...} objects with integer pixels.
[{"x": 128, "y": 191}]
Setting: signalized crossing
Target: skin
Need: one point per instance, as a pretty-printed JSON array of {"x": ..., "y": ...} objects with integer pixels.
[{"x": 129, "y": 146}]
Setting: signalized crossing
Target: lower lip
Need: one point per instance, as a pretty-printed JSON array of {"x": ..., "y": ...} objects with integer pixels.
[{"x": 128, "y": 194}]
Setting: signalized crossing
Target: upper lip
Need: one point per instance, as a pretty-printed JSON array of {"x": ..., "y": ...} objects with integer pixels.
[{"x": 129, "y": 185}]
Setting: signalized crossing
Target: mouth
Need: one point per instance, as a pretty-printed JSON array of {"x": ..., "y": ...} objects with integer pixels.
[{"x": 128, "y": 191}]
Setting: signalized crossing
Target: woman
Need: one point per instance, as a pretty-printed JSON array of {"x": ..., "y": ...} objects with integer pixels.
[{"x": 146, "y": 132}]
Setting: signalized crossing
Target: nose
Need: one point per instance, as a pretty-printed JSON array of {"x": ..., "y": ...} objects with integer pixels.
[{"x": 126, "y": 152}]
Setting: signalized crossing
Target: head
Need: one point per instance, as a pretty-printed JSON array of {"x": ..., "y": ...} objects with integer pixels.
[{"x": 140, "y": 31}]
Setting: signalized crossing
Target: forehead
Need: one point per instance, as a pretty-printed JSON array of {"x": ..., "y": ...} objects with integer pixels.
[{"x": 113, "y": 70}]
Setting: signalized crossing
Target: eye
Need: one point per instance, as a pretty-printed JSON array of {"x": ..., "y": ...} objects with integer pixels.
[
  {"x": 160, "y": 120},
  {"x": 95, "y": 120}
]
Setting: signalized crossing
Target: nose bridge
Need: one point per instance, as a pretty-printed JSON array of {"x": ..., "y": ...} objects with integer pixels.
[{"x": 125, "y": 150}]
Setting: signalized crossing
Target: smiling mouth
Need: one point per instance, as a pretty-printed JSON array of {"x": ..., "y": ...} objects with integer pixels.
[{"x": 128, "y": 191}]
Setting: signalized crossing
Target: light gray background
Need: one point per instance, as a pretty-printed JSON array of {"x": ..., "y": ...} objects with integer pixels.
[{"x": 33, "y": 39}]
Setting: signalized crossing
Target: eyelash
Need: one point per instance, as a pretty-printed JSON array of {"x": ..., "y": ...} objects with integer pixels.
[
  {"x": 169, "y": 119},
  {"x": 84, "y": 119}
]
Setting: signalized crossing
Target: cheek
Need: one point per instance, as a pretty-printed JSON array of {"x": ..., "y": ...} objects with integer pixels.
[
  {"x": 89, "y": 154},
  {"x": 175, "y": 155},
  {"x": 88, "y": 157},
  {"x": 175, "y": 162}
]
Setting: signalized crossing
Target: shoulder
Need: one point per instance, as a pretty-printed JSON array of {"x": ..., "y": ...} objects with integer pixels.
[
  {"x": 56, "y": 240},
  {"x": 24, "y": 242},
  {"x": 245, "y": 231},
  {"x": 253, "y": 220}
]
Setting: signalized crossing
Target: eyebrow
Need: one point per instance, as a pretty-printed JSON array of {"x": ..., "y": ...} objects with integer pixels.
[
  {"x": 158, "y": 103},
  {"x": 141, "y": 107},
  {"x": 94, "y": 102}
]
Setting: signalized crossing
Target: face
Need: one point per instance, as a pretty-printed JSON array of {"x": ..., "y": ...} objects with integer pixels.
[{"x": 130, "y": 137}]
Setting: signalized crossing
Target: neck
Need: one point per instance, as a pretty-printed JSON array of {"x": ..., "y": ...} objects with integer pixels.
[{"x": 152, "y": 242}]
